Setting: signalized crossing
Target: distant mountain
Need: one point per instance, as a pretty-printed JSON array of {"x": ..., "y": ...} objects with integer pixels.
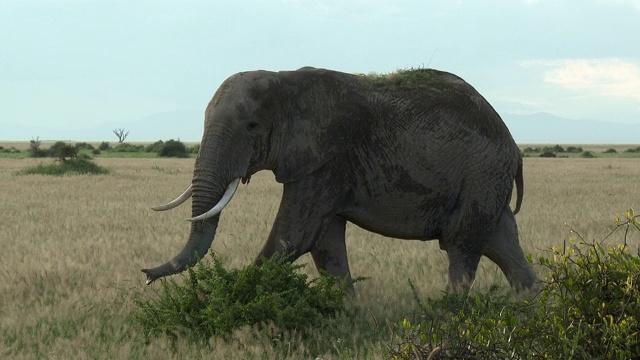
[
  {"x": 188, "y": 124},
  {"x": 548, "y": 128}
]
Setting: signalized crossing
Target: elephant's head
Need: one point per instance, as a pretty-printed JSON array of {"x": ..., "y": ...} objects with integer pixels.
[{"x": 283, "y": 122}]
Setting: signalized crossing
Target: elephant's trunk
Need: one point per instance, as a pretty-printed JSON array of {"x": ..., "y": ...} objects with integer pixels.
[
  {"x": 200, "y": 240},
  {"x": 215, "y": 178}
]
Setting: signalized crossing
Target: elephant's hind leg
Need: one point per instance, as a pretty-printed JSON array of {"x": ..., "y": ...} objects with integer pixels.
[
  {"x": 462, "y": 268},
  {"x": 504, "y": 249},
  {"x": 464, "y": 240},
  {"x": 330, "y": 252}
]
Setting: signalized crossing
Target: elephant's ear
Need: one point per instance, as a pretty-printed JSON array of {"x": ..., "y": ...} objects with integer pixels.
[{"x": 327, "y": 119}]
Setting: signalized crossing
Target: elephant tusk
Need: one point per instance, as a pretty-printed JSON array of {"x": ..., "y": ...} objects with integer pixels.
[
  {"x": 177, "y": 201},
  {"x": 228, "y": 194}
]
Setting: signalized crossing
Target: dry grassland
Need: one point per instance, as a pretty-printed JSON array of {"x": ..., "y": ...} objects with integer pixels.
[{"x": 73, "y": 246}]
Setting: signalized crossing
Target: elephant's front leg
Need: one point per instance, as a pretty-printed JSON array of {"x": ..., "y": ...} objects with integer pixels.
[
  {"x": 330, "y": 253},
  {"x": 306, "y": 214}
]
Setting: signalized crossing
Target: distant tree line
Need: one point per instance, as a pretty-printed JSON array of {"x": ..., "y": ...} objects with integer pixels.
[
  {"x": 64, "y": 150},
  {"x": 553, "y": 151},
  {"x": 169, "y": 148},
  {"x": 60, "y": 150},
  {"x": 9, "y": 150}
]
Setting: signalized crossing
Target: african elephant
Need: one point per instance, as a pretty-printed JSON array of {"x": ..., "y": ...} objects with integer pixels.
[{"x": 416, "y": 154}]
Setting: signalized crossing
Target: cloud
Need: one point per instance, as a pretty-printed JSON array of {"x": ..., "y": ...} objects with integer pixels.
[
  {"x": 523, "y": 104},
  {"x": 607, "y": 77}
]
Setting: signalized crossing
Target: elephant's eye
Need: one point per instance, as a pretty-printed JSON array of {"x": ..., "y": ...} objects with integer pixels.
[{"x": 253, "y": 126}]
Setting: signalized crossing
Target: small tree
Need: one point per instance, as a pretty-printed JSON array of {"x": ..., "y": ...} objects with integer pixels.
[
  {"x": 121, "y": 134},
  {"x": 34, "y": 145},
  {"x": 62, "y": 151},
  {"x": 35, "y": 150}
]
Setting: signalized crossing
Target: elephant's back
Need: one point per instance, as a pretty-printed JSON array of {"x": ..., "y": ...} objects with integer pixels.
[{"x": 429, "y": 95}]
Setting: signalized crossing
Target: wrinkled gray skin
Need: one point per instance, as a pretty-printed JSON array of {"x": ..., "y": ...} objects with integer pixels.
[{"x": 431, "y": 161}]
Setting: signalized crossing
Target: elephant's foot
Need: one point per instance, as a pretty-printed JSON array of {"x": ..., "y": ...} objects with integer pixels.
[{"x": 330, "y": 254}]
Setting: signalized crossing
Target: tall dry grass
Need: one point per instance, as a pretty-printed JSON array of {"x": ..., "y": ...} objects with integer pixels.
[{"x": 72, "y": 248}]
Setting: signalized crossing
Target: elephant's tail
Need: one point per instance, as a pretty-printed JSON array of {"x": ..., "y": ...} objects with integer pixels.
[{"x": 519, "y": 186}]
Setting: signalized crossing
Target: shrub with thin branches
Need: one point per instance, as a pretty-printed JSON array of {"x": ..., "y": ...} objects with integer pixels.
[
  {"x": 587, "y": 309},
  {"x": 212, "y": 301}
]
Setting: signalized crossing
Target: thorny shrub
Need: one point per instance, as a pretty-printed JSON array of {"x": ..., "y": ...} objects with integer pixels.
[
  {"x": 587, "y": 309},
  {"x": 214, "y": 301}
]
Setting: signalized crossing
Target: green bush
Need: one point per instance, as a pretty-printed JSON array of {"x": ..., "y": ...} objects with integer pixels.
[
  {"x": 590, "y": 301},
  {"x": 547, "y": 154},
  {"x": 95, "y": 151},
  {"x": 587, "y": 154},
  {"x": 104, "y": 146},
  {"x": 39, "y": 153},
  {"x": 73, "y": 166},
  {"x": 173, "y": 148},
  {"x": 155, "y": 147},
  {"x": 195, "y": 149},
  {"x": 11, "y": 150},
  {"x": 610, "y": 151},
  {"x": 587, "y": 309},
  {"x": 574, "y": 149},
  {"x": 633, "y": 150},
  {"x": 457, "y": 326},
  {"x": 553, "y": 149},
  {"x": 126, "y": 147},
  {"x": 213, "y": 301},
  {"x": 84, "y": 146},
  {"x": 532, "y": 150}
]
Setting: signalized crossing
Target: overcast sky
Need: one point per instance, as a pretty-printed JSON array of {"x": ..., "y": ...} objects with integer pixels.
[{"x": 70, "y": 64}]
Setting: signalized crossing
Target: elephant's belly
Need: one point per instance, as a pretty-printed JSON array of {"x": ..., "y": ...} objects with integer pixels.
[{"x": 401, "y": 217}]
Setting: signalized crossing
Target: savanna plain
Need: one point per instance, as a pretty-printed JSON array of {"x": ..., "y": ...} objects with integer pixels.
[{"x": 73, "y": 246}]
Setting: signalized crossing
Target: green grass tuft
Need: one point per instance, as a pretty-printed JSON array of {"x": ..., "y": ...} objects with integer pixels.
[{"x": 409, "y": 79}]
